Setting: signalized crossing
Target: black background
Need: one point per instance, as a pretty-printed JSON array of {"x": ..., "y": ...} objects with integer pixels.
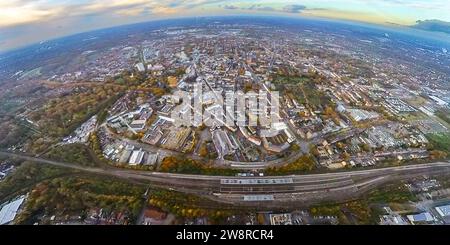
[{"x": 361, "y": 235}]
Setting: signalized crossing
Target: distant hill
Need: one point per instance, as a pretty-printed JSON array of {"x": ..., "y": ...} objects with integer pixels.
[{"x": 433, "y": 25}]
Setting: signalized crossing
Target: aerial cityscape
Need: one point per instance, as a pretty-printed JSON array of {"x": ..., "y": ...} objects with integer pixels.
[{"x": 244, "y": 116}]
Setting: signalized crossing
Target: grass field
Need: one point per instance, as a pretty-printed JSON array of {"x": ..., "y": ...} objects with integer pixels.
[{"x": 440, "y": 141}]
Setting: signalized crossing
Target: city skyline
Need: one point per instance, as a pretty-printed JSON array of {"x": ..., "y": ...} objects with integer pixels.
[
  {"x": 263, "y": 119},
  {"x": 23, "y": 22}
]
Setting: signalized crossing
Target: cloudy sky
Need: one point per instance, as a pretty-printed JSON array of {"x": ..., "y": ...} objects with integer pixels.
[{"x": 23, "y": 22}]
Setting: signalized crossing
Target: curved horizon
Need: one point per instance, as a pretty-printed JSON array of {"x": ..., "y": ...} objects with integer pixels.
[
  {"x": 25, "y": 22},
  {"x": 435, "y": 36}
]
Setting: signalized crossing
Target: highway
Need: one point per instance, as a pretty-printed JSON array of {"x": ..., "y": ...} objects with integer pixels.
[{"x": 289, "y": 188}]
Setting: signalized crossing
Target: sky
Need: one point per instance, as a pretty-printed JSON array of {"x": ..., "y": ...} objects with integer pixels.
[{"x": 23, "y": 22}]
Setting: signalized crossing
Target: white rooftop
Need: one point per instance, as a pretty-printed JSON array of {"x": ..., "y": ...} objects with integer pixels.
[
  {"x": 9, "y": 211},
  {"x": 443, "y": 210},
  {"x": 136, "y": 157}
]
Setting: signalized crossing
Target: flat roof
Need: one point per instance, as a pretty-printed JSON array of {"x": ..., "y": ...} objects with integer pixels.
[
  {"x": 420, "y": 217},
  {"x": 258, "y": 198},
  {"x": 9, "y": 211},
  {"x": 257, "y": 181},
  {"x": 443, "y": 210},
  {"x": 136, "y": 157}
]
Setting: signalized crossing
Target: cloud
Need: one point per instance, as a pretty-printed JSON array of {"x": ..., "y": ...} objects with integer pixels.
[
  {"x": 294, "y": 8},
  {"x": 433, "y": 25},
  {"x": 26, "y": 21},
  {"x": 198, "y": 3},
  {"x": 417, "y": 4},
  {"x": 18, "y": 12},
  {"x": 230, "y": 7},
  {"x": 259, "y": 7}
]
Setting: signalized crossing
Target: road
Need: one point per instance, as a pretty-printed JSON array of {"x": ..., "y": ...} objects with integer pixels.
[
  {"x": 219, "y": 162},
  {"x": 293, "y": 188},
  {"x": 258, "y": 165}
]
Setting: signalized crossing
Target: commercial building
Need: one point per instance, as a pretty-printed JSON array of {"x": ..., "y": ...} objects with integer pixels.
[
  {"x": 9, "y": 211},
  {"x": 361, "y": 115},
  {"x": 443, "y": 211},
  {"x": 438, "y": 100},
  {"x": 140, "y": 67},
  {"x": 257, "y": 198},
  {"x": 222, "y": 143},
  {"x": 138, "y": 125},
  {"x": 136, "y": 157},
  {"x": 152, "y": 136},
  {"x": 280, "y": 219},
  {"x": 125, "y": 156},
  {"x": 420, "y": 218},
  {"x": 275, "y": 181},
  {"x": 151, "y": 159}
]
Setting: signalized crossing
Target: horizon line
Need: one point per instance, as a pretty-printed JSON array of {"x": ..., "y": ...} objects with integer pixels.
[{"x": 391, "y": 25}]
